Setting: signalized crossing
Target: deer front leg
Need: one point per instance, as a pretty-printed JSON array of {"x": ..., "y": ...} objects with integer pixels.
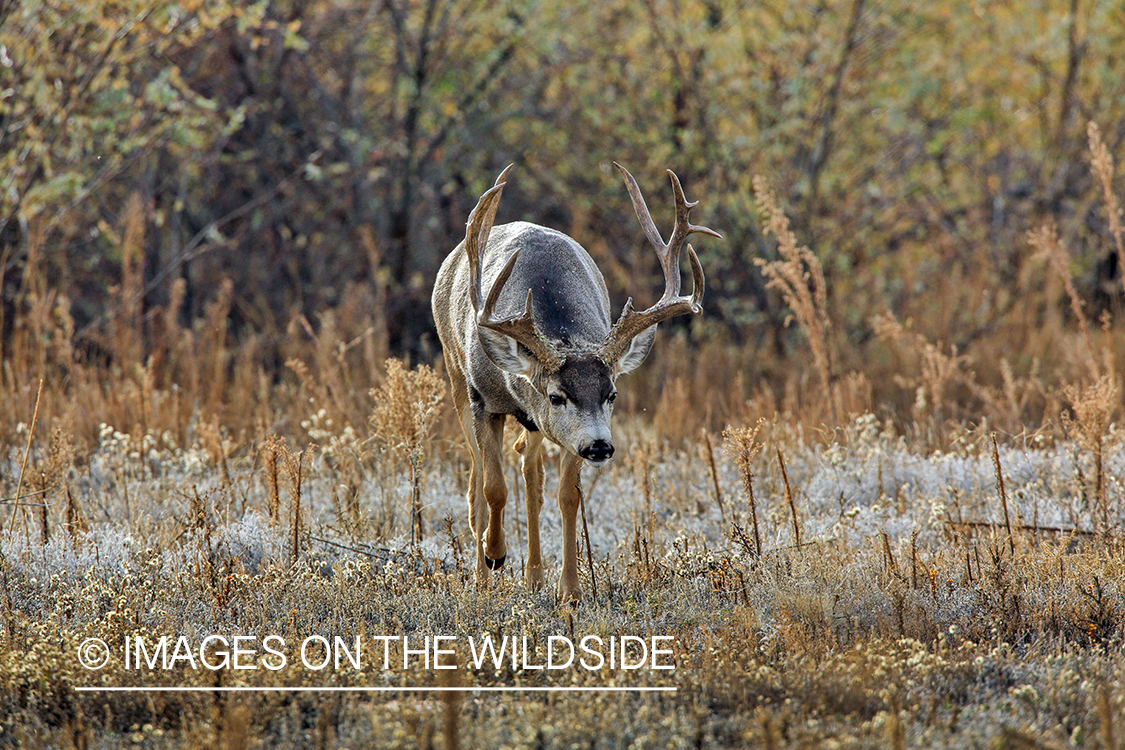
[
  {"x": 478, "y": 516},
  {"x": 529, "y": 445},
  {"x": 570, "y": 498},
  {"x": 490, "y": 437}
]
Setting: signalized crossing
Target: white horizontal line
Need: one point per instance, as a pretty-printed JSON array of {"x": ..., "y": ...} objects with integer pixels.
[{"x": 342, "y": 689}]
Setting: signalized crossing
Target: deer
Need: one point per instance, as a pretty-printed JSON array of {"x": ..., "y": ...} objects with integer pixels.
[{"x": 523, "y": 316}]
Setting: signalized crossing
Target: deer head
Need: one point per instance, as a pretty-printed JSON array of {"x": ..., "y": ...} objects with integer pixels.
[{"x": 574, "y": 387}]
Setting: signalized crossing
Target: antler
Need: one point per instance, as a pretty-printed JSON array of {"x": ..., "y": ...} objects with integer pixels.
[
  {"x": 521, "y": 327},
  {"x": 671, "y": 303}
]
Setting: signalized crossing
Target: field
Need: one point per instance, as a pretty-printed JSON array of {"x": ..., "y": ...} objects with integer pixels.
[
  {"x": 284, "y": 561},
  {"x": 882, "y": 591},
  {"x": 873, "y": 497}
]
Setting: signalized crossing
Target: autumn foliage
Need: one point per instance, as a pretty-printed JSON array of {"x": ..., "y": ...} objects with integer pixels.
[{"x": 322, "y": 157}]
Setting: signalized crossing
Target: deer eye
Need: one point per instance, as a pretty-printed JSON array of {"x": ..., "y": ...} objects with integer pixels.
[
  {"x": 612, "y": 397},
  {"x": 557, "y": 400}
]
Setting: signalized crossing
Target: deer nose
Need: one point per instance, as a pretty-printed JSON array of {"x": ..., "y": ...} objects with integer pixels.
[{"x": 599, "y": 450}]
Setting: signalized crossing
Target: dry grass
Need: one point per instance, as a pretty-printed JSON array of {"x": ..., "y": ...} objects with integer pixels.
[
  {"x": 743, "y": 447},
  {"x": 405, "y": 410},
  {"x": 941, "y": 629},
  {"x": 918, "y": 599}
]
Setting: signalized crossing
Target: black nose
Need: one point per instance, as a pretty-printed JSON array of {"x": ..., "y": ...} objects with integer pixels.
[{"x": 599, "y": 450}]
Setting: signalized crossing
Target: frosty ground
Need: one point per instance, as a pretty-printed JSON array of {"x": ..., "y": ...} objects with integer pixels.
[{"x": 916, "y": 610}]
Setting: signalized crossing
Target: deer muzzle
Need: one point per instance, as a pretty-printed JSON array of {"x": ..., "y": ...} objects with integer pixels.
[{"x": 597, "y": 452}]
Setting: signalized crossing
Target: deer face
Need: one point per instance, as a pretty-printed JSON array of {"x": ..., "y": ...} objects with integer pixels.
[
  {"x": 575, "y": 407},
  {"x": 572, "y": 405}
]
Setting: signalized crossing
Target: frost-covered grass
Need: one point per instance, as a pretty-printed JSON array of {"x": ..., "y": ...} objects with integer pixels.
[{"x": 909, "y": 615}]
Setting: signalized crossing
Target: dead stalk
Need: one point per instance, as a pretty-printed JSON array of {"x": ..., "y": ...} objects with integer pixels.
[
  {"x": 589, "y": 554},
  {"x": 269, "y": 458},
  {"x": 742, "y": 445},
  {"x": 709, "y": 454},
  {"x": 754, "y": 516},
  {"x": 416, "y": 528},
  {"x": 1101, "y": 164},
  {"x": 1046, "y": 241},
  {"x": 890, "y": 558},
  {"x": 789, "y": 499},
  {"x": 26, "y": 455},
  {"x": 799, "y": 276},
  {"x": 294, "y": 468},
  {"x": 1003, "y": 493}
]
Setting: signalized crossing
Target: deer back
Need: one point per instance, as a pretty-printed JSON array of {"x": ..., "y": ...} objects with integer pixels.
[{"x": 569, "y": 300}]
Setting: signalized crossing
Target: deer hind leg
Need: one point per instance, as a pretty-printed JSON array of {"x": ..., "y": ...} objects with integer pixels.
[
  {"x": 529, "y": 445},
  {"x": 570, "y": 498},
  {"x": 490, "y": 437},
  {"x": 478, "y": 509}
]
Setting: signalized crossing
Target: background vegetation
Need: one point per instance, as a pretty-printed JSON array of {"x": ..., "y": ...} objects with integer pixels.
[
  {"x": 289, "y": 167},
  {"x": 219, "y": 225}
]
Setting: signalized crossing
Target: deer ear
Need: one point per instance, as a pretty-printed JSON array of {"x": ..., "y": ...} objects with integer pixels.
[
  {"x": 506, "y": 353},
  {"x": 638, "y": 349}
]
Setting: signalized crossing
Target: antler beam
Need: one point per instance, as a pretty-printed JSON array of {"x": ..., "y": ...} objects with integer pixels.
[
  {"x": 521, "y": 328},
  {"x": 671, "y": 303}
]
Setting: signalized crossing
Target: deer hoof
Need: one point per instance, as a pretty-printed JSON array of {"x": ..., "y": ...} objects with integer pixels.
[
  {"x": 534, "y": 578},
  {"x": 495, "y": 564},
  {"x": 570, "y": 595}
]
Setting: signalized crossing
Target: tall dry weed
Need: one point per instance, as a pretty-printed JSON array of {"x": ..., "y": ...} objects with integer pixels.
[
  {"x": 707, "y": 453},
  {"x": 50, "y": 476},
  {"x": 789, "y": 499},
  {"x": 167, "y": 337},
  {"x": 407, "y": 405},
  {"x": 1045, "y": 239},
  {"x": 1094, "y": 407},
  {"x": 272, "y": 450},
  {"x": 294, "y": 468},
  {"x": 215, "y": 352},
  {"x": 742, "y": 446},
  {"x": 799, "y": 276},
  {"x": 19, "y": 507},
  {"x": 1101, "y": 164},
  {"x": 127, "y": 335},
  {"x": 1010, "y": 402},
  {"x": 938, "y": 371}
]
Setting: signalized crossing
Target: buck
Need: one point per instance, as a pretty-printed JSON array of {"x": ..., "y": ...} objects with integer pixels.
[{"x": 523, "y": 317}]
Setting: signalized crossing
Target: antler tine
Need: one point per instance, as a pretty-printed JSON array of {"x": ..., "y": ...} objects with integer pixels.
[
  {"x": 698, "y": 281},
  {"x": 683, "y": 226},
  {"x": 490, "y": 216},
  {"x": 522, "y": 327},
  {"x": 477, "y": 229},
  {"x": 640, "y": 207},
  {"x": 670, "y": 303},
  {"x": 485, "y": 313}
]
